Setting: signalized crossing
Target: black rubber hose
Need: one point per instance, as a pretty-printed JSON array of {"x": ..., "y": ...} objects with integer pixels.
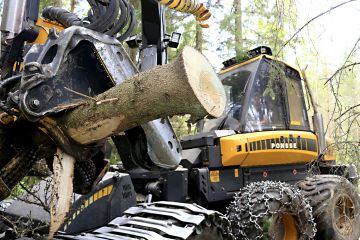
[
  {"x": 4, "y": 83},
  {"x": 123, "y": 18},
  {"x": 97, "y": 8},
  {"x": 107, "y": 19},
  {"x": 62, "y": 16},
  {"x": 9, "y": 80},
  {"x": 131, "y": 24}
]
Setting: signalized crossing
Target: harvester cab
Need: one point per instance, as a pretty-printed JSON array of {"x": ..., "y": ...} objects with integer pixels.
[
  {"x": 267, "y": 108},
  {"x": 263, "y": 94}
]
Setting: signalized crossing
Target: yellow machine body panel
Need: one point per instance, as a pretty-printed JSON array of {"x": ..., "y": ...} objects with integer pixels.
[
  {"x": 236, "y": 66},
  {"x": 44, "y": 28},
  {"x": 268, "y": 148}
]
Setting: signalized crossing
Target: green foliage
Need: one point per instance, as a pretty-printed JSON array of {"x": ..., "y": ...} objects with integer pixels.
[
  {"x": 263, "y": 23},
  {"x": 182, "y": 126},
  {"x": 27, "y": 183},
  {"x": 66, "y": 4},
  {"x": 115, "y": 157},
  {"x": 179, "y": 22}
]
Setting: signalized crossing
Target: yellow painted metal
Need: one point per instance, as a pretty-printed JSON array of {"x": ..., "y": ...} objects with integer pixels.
[
  {"x": 257, "y": 58},
  {"x": 291, "y": 231},
  {"x": 215, "y": 176},
  {"x": 110, "y": 188},
  {"x": 164, "y": 2},
  {"x": 44, "y": 28},
  {"x": 174, "y": 4},
  {"x": 6, "y": 118},
  {"x": 180, "y": 6},
  {"x": 236, "y": 149},
  {"x": 295, "y": 123},
  {"x": 100, "y": 194},
  {"x": 187, "y": 6},
  {"x": 236, "y": 172},
  {"x": 240, "y": 64},
  {"x": 200, "y": 12},
  {"x": 15, "y": 66},
  {"x": 96, "y": 196}
]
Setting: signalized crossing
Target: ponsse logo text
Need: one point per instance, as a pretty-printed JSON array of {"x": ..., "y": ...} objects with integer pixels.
[{"x": 283, "y": 145}]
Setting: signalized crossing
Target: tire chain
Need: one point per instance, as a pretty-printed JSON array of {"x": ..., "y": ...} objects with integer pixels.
[
  {"x": 246, "y": 195},
  {"x": 223, "y": 224}
]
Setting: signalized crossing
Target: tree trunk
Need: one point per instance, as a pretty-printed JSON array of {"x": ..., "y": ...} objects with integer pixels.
[
  {"x": 72, "y": 5},
  {"x": 199, "y": 38},
  {"x": 238, "y": 28},
  {"x": 133, "y": 55},
  {"x": 58, "y": 3},
  {"x": 189, "y": 85}
]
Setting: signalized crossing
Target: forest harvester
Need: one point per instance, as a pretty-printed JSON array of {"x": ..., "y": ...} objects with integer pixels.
[{"x": 254, "y": 170}]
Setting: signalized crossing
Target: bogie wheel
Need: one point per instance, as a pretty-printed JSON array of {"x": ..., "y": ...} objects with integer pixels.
[
  {"x": 336, "y": 206},
  {"x": 271, "y": 210}
]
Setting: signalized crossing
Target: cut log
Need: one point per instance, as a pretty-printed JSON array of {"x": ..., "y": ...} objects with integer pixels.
[
  {"x": 189, "y": 85},
  {"x": 62, "y": 190}
]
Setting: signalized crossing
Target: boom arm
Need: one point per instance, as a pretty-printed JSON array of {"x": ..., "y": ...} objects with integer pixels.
[{"x": 153, "y": 145}]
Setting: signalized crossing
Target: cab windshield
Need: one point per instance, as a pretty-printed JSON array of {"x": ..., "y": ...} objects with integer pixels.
[
  {"x": 235, "y": 83},
  {"x": 266, "y": 110},
  {"x": 259, "y": 96}
]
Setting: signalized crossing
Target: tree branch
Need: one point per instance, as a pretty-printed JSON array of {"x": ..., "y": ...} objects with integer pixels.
[
  {"x": 351, "y": 108},
  {"x": 311, "y": 20}
]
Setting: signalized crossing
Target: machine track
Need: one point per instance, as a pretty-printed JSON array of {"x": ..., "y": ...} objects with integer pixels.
[{"x": 163, "y": 221}]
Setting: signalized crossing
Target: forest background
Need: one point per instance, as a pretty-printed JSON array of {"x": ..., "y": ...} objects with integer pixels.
[{"x": 322, "y": 37}]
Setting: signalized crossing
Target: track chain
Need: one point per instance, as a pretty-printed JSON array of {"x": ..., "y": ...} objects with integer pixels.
[{"x": 162, "y": 221}]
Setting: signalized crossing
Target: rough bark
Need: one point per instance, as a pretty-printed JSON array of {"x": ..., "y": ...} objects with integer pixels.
[{"x": 189, "y": 85}]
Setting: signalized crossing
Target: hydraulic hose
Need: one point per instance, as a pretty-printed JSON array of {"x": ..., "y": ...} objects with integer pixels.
[
  {"x": 106, "y": 19},
  {"x": 132, "y": 24},
  {"x": 200, "y": 12},
  {"x": 62, "y": 16},
  {"x": 110, "y": 17}
]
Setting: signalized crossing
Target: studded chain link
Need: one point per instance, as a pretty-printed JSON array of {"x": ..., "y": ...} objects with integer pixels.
[{"x": 257, "y": 201}]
